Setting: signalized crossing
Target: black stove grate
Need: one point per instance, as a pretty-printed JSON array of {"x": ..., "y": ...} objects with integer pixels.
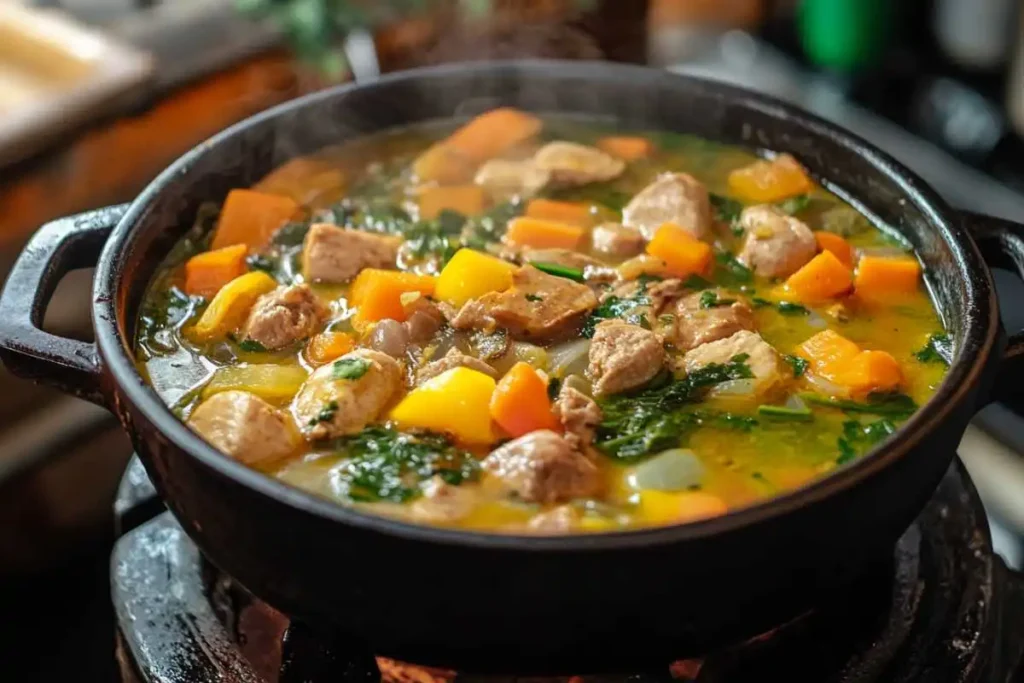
[{"x": 946, "y": 610}]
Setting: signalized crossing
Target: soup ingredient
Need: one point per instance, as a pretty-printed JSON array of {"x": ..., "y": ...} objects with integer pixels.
[
  {"x": 683, "y": 255},
  {"x": 541, "y": 467},
  {"x": 858, "y": 437},
  {"x": 570, "y": 163},
  {"x": 892, "y": 404},
  {"x": 309, "y": 181},
  {"x": 207, "y": 272},
  {"x": 245, "y": 427},
  {"x": 785, "y": 414},
  {"x": 537, "y": 308},
  {"x": 823, "y": 278},
  {"x": 841, "y": 362},
  {"x": 761, "y": 358},
  {"x": 626, "y": 148},
  {"x": 775, "y": 244},
  {"x": 844, "y": 221},
  {"x": 493, "y": 133},
  {"x": 569, "y": 358},
  {"x": 470, "y": 274},
  {"x": 663, "y": 507},
  {"x": 543, "y": 234},
  {"x": 770, "y": 181},
  {"x": 327, "y": 346},
  {"x": 378, "y": 294},
  {"x": 333, "y": 254},
  {"x": 676, "y": 198},
  {"x": 520, "y": 403},
  {"x": 505, "y": 177},
  {"x": 579, "y": 415},
  {"x": 694, "y": 323},
  {"x": 615, "y": 239},
  {"x": 455, "y": 402},
  {"x": 937, "y": 350},
  {"x": 443, "y": 164},
  {"x": 284, "y": 316},
  {"x": 443, "y": 503},
  {"x": 559, "y": 270},
  {"x": 623, "y": 356},
  {"x": 274, "y": 383},
  {"x": 839, "y": 247},
  {"x": 346, "y": 395},
  {"x": 390, "y": 337},
  {"x": 676, "y": 469},
  {"x": 468, "y": 200},
  {"x": 880, "y": 279},
  {"x": 251, "y": 218},
  {"x": 574, "y": 213},
  {"x": 453, "y": 359},
  {"x": 230, "y": 307},
  {"x": 565, "y": 258}
]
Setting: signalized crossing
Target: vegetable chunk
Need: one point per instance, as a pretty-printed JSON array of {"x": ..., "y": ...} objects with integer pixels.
[
  {"x": 206, "y": 273},
  {"x": 770, "y": 181},
  {"x": 520, "y": 403},
  {"x": 470, "y": 274},
  {"x": 230, "y": 307},
  {"x": 455, "y": 402},
  {"x": 251, "y": 218}
]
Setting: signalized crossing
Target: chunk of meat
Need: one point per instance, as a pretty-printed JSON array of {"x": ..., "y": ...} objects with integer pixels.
[
  {"x": 245, "y": 427},
  {"x": 443, "y": 503},
  {"x": 579, "y": 415},
  {"x": 696, "y": 324},
  {"x": 336, "y": 400},
  {"x": 623, "y": 356},
  {"x": 284, "y": 316},
  {"x": 538, "y": 307},
  {"x": 570, "y": 163},
  {"x": 569, "y": 258},
  {"x": 333, "y": 254},
  {"x": 453, "y": 359},
  {"x": 616, "y": 239},
  {"x": 541, "y": 467},
  {"x": 673, "y": 198},
  {"x": 503, "y": 177},
  {"x": 560, "y": 520},
  {"x": 776, "y": 244},
  {"x": 764, "y": 362}
]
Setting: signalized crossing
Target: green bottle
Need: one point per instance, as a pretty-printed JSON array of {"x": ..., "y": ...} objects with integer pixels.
[{"x": 844, "y": 35}]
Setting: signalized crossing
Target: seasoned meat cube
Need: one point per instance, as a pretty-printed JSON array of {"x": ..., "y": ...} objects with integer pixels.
[
  {"x": 776, "y": 244},
  {"x": 763, "y": 360},
  {"x": 538, "y": 307},
  {"x": 541, "y": 467},
  {"x": 570, "y": 163},
  {"x": 579, "y": 415},
  {"x": 344, "y": 396},
  {"x": 672, "y": 198},
  {"x": 695, "y": 324},
  {"x": 503, "y": 177},
  {"x": 568, "y": 258},
  {"x": 245, "y": 427},
  {"x": 560, "y": 520},
  {"x": 453, "y": 359},
  {"x": 623, "y": 356},
  {"x": 333, "y": 254},
  {"x": 443, "y": 503},
  {"x": 284, "y": 316},
  {"x": 616, "y": 239}
]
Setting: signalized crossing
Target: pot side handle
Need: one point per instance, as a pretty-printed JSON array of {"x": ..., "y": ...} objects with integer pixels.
[{"x": 28, "y": 351}]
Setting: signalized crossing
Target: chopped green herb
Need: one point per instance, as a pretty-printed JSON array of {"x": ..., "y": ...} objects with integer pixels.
[
  {"x": 326, "y": 414},
  {"x": 726, "y": 209},
  {"x": 760, "y": 302},
  {"x": 666, "y": 319},
  {"x": 170, "y": 309},
  {"x": 709, "y": 299},
  {"x": 858, "y": 437},
  {"x": 784, "y": 413},
  {"x": 937, "y": 350},
  {"x": 631, "y": 308},
  {"x": 554, "y": 386},
  {"x": 890, "y": 405},
  {"x": 798, "y": 364},
  {"x": 450, "y": 221},
  {"x": 534, "y": 298},
  {"x": 480, "y": 231},
  {"x": 696, "y": 282},
  {"x": 268, "y": 264},
  {"x": 290, "y": 234},
  {"x": 560, "y": 271},
  {"x": 605, "y": 194},
  {"x": 794, "y": 205},
  {"x": 349, "y": 368},
  {"x": 729, "y": 272},
  {"x": 790, "y": 308},
  {"x": 252, "y": 346}
]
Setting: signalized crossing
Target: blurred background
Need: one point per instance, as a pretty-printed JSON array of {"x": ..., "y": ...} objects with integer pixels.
[{"x": 97, "y": 96}]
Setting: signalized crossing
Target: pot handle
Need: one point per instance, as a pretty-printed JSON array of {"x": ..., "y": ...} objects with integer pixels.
[{"x": 53, "y": 251}]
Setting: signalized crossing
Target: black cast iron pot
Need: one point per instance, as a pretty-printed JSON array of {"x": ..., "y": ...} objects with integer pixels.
[{"x": 483, "y": 601}]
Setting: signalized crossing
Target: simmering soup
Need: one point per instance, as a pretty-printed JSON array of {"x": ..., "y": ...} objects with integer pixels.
[{"x": 540, "y": 325}]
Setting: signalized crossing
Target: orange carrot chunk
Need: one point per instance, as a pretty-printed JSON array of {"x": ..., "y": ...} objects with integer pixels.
[
  {"x": 770, "y": 181},
  {"x": 694, "y": 505},
  {"x": 840, "y": 361},
  {"x": 443, "y": 164},
  {"x": 251, "y": 218},
  {"x": 625, "y": 147},
  {"x": 326, "y": 346},
  {"x": 821, "y": 278},
  {"x": 377, "y": 294},
  {"x": 575, "y": 213},
  {"x": 520, "y": 404},
  {"x": 683, "y": 254},
  {"x": 872, "y": 371},
  {"x": 493, "y": 133},
  {"x": 840, "y": 248},
  {"x": 543, "y": 234},
  {"x": 881, "y": 278},
  {"x": 206, "y": 273},
  {"x": 469, "y": 200}
]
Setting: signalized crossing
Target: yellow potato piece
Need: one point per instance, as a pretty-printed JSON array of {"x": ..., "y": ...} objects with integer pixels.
[
  {"x": 470, "y": 274},
  {"x": 271, "y": 382},
  {"x": 455, "y": 402},
  {"x": 231, "y": 305}
]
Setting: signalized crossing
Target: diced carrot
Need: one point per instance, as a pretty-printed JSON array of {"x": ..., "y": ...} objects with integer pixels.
[
  {"x": 828, "y": 350},
  {"x": 469, "y": 200},
  {"x": 493, "y": 133},
  {"x": 576, "y": 213},
  {"x": 770, "y": 181},
  {"x": 326, "y": 346},
  {"x": 377, "y": 294},
  {"x": 675, "y": 507},
  {"x": 443, "y": 164},
  {"x": 882, "y": 278},
  {"x": 872, "y": 371},
  {"x": 626, "y": 147},
  {"x": 251, "y": 218},
  {"x": 840, "y": 248},
  {"x": 543, "y": 234},
  {"x": 206, "y": 273},
  {"x": 684, "y": 254},
  {"x": 820, "y": 279},
  {"x": 520, "y": 404},
  {"x": 309, "y": 181},
  {"x": 840, "y": 361}
]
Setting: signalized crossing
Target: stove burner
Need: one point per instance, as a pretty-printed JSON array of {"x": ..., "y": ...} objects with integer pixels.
[{"x": 946, "y": 610}]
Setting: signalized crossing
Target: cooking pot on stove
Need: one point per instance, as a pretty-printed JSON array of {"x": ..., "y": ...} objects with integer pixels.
[{"x": 469, "y": 599}]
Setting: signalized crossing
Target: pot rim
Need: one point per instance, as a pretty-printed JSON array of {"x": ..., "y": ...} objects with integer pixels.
[{"x": 963, "y": 376}]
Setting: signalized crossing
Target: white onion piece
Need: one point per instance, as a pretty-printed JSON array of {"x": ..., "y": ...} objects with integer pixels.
[
  {"x": 794, "y": 402},
  {"x": 676, "y": 469},
  {"x": 736, "y": 387},
  {"x": 826, "y": 387},
  {"x": 570, "y": 358},
  {"x": 816, "y": 321}
]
